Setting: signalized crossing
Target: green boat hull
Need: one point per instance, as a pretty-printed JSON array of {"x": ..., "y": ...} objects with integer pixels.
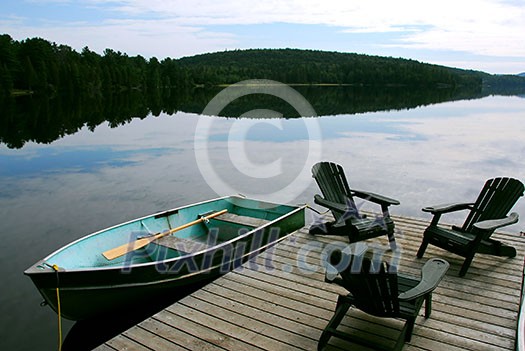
[{"x": 90, "y": 285}]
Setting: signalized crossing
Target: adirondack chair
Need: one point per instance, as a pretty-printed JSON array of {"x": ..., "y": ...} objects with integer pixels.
[
  {"x": 376, "y": 288},
  {"x": 339, "y": 199},
  {"x": 488, "y": 213}
]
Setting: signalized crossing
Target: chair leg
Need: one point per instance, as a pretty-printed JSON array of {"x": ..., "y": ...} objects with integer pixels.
[
  {"x": 392, "y": 241},
  {"x": 422, "y": 248},
  {"x": 406, "y": 334},
  {"x": 410, "y": 328},
  {"x": 340, "y": 312},
  {"x": 428, "y": 305},
  {"x": 323, "y": 340},
  {"x": 466, "y": 265}
]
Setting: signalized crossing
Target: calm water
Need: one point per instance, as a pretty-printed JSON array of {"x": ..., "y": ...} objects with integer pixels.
[{"x": 51, "y": 194}]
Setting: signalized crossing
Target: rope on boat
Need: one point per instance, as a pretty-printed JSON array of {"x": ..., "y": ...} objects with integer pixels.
[
  {"x": 56, "y": 268},
  {"x": 316, "y": 211},
  {"x": 145, "y": 226}
]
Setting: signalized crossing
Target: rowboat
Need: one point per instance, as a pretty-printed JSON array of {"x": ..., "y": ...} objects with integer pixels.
[{"x": 154, "y": 254}]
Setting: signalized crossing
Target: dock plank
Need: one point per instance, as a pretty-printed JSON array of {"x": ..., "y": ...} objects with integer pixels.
[
  {"x": 123, "y": 343},
  {"x": 279, "y": 301},
  {"x": 251, "y": 334},
  {"x": 184, "y": 332},
  {"x": 105, "y": 347},
  {"x": 151, "y": 337}
]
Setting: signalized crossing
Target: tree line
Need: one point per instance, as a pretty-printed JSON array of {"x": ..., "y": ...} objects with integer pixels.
[
  {"x": 322, "y": 67},
  {"x": 38, "y": 118},
  {"x": 37, "y": 65}
]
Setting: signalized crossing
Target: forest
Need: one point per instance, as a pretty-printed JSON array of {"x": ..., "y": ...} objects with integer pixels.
[
  {"x": 48, "y": 90},
  {"x": 35, "y": 65},
  {"x": 38, "y": 118}
]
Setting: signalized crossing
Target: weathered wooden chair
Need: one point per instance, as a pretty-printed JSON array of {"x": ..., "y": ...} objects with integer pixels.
[
  {"x": 339, "y": 199},
  {"x": 488, "y": 213},
  {"x": 376, "y": 288}
]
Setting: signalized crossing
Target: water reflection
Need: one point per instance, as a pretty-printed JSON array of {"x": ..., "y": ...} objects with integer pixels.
[
  {"x": 438, "y": 154},
  {"x": 44, "y": 120},
  {"x": 88, "y": 334},
  {"x": 96, "y": 175}
]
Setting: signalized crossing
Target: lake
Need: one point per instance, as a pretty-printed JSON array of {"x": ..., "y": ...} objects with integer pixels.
[{"x": 62, "y": 180}]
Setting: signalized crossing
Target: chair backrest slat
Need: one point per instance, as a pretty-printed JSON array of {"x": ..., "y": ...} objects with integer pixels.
[
  {"x": 495, "y": 200},
  {"x": 374, "y": 288},
  {"x": 333, "y": 183}
]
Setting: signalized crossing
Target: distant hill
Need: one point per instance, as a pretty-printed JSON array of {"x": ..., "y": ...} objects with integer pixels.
[
  {"x": 521, "y": 74},
  {"x": 321, "y": 67},
  {"x": 294, "y": 66},
  {"x": 503, "y": 84},
  {"x": 36, "y": 65}
]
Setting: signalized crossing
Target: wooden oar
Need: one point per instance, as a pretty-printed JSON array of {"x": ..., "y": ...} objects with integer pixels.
[{"x": 137, "y": 244}]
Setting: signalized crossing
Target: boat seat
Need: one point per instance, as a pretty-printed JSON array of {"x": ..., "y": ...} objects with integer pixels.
[
  {"x": 242, "y": 220},
  {"x": 182, "y": 244},
  {"x": 230, "y": 225},
  {"x": 188, "y": 245}
]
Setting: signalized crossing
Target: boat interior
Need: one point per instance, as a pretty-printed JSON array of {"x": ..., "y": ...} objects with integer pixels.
[{"x": 242, "y": 216}]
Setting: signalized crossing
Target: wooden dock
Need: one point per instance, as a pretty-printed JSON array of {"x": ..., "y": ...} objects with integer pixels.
[{"x": 287, "y": 306}]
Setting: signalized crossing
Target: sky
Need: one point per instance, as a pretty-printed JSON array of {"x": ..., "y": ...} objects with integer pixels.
[{"x": 485, "y": 35}]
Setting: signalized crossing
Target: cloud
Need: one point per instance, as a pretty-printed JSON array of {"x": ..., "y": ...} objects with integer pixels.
[
  {"x": 179, "y": 27},
  {"x": 496, "y": 43},
  {"x": 485, "y": 27},
  {"x": 160, "y": 38}
]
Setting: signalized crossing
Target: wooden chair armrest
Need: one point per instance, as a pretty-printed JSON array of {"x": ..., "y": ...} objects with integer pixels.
[
  {"x": 331, "y": 274},
  {"x": 445, "y": 208},
  {"x": 493, "y": 224},
  {"x": 334, "y": 280},
  {"x": 318, "y": 199},
  {"x": 431, "y": 274},
  {"x": 376, "y": 198}
]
